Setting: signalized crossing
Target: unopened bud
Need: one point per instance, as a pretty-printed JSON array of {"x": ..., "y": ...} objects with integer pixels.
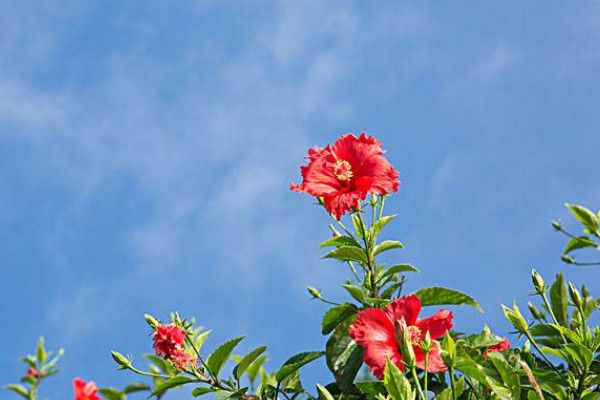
[
  {"x": 121, "y": 359},
  {"x": 314, "y": 292},
  {"x": 426, "y": 345},
  {"x": 538, "y": 282},
  {"x": 556, "y": 225},
  {"x": 448, "y": 350},
  {"x": 153, "y": 322},
  {"x": 406, "y": 347},
  {"x": 567, "y": 259},
  {"x": 374, "y": 200},
  {"x": 486, "y": 330},
  {"x": 527, "y": 347},
  {"x": 515, "y": 317},
  {"x": 585, "y": 292},
  {"x": 575, "y": 295}
]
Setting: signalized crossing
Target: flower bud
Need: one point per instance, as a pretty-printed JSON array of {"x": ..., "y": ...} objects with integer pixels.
[
  {"x": 374, "y": 200},
  {"x": 120, "y": 359},
  {"x": 427, "y": 343},
  {"x": 153, "y": 322},
  {"x": 527, "y": 347},
  {"x": 585, "y": 292},
  {"x": 448, "y": 350},
  {"x": 314, "y": 292},
  {"x": 486, "y": 330},
  {"x": 575, "y": 296},
  {"x": 515, "y": 317},
  {"x": 567, "y": 259},
  {"x": 538, "y": 282},
  {"x": 556, "y": 225},
  {"x": 406, "y": 348}
]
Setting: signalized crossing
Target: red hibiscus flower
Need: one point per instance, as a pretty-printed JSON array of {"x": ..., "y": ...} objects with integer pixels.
[
  {"x": 503, "y": 345},
  {"x": 378, "y": 332},
  {"x": 168, "y": 340},
  {"x": 85, "y": 390},
  {"x": 181, "y": 359},
  {"x": 344, "y": 173}
]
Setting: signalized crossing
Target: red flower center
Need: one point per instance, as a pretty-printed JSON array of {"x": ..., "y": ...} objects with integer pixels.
[{"x": 342, "y": 170}]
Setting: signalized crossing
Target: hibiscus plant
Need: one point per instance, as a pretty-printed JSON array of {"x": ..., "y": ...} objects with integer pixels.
[{"x": 379, "y": 329}]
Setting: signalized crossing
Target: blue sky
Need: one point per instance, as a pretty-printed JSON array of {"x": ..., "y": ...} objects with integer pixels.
[{"x": 146, "y": 150}]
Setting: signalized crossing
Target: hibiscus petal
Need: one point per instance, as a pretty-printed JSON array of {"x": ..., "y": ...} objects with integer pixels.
[
  {"x": 435, "y": 363},
  {"x": 372, "y": 325},
  {"x": 376, "y": 354},
  {"x": 437, "y": 325},
  {"x": 406, "y": 307},
  {"x": 339, "y": 204}
]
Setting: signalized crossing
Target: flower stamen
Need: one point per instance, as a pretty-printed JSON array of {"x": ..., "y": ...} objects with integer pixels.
[{"x": 343, "y": 170}]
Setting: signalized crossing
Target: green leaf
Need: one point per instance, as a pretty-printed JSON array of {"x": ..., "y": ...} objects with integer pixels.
[
  {"x": 295, "y": 363},
  {"x": 387, "y": 245},
  {"x": 324, "y": 393},
  {"x": 338, "y": 241},
  {"x": 398, "y": 268},
  {"x": 344, "y": 356},
  {"x": 136, "y": 387},
  {"x": 395, "y": 382},
  {"x": 292, "y": 383},
  {"x": 336, "y": 315},
  {"x": 199, "y": 391},
  {"x": 579, "y": 242},
  {"x": 355, "y": 292},
  {"x": 112, "y": 394},
  {"x": 480, "y": 340},
  {"x": 459, "y": 388},
  {"x": 162, "y": 364},
  {"x": 371, "y": 388},
  {"x": 254, "y": 368},
  {"x": 435, "y": 295},
  {"x": 559, "y": 300},
  {"x": 468, "y": 366},
  {"x": 380, "y": 224},
  {"x": 389, "y": 291},
  {"x": 200, "y": 339},
  {"x": 248, "y": 359},
  {"x": 359, "y": 227},
  {"x": 585, "y": 216},
  {"x": 217, "y": 359},
  {"x": 18, "y": 389},
  {"x": 348, "y": 253},
  {"x": 170, "y": 383},
  {"x": 227, "y": 394},
  {"x": 508, "y": 375}
]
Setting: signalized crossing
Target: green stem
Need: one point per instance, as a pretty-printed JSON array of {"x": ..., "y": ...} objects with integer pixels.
[
  {"x": 581, "y": 384},
  {"x": 413, "y": 371},
  {"x": 452, "y": 382},
  {"x": 549, "y": 308},
  {"x": 381, "y": 207},
  {"x": 150, "y": 374},
  {"x": 351, "y": 265},
  {"x": 370, "y": 263},
  {"x": 539, "y": 350},
  {"x": 373, "y": 212},
  {"x": 341, "y": 225},
  {"x": 425, "y": 375}
]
